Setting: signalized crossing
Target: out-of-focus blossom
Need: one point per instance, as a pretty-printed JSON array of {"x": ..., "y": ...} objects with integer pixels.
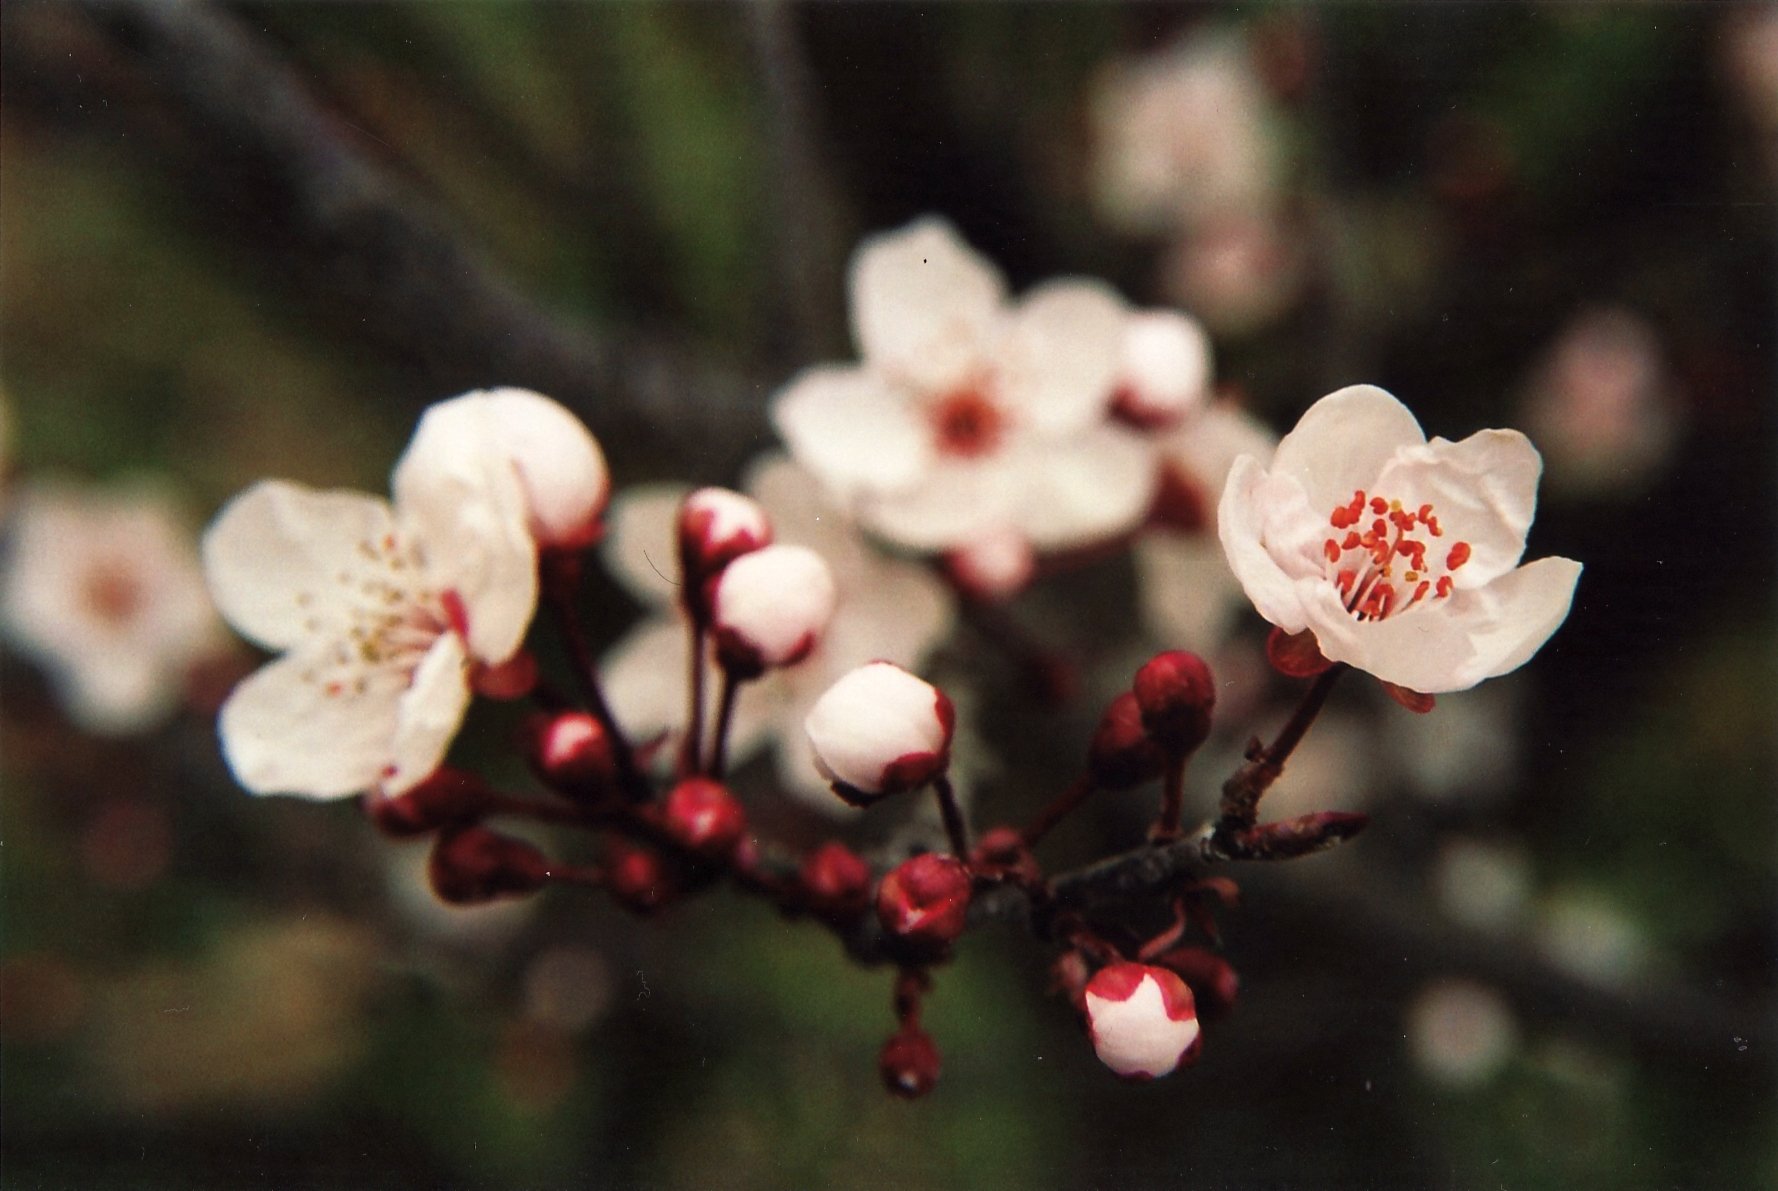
[
  {"x": 568, "y": 987},
  {"x": 1482, "y": 883},
  {"x": 1142, "y": 1020},
  {"x": 1461, "y": 1033},
  {"x": 1750, "y": 60},
  {"x": 1183, "y": 134},
  {"x": 1399, "y": 554},
  {"x": 1164, "y": 374},
  {"x": 970, "y": 415},
  {"x": 380, "y": 612},
  {"x": 1601, "y": 405},
  {"x": 102, "y": 586},
  {"x": 1237, "y": 272},
  {"x": 1585, "y": 933},
  {"x": 884, "y": 609}
]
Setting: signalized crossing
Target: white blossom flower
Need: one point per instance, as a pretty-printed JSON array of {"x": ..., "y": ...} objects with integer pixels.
[
  {"x": 1461, "y": 1033},
  {"x": 1164, "y": 372},
  {"x": 1401, "y": 555},
  {"x": 1142, "y": 1019},
  {"x": 884, "y": 608},
  {"x": 969, "y": 415},
  {"x": 1238, "y": 272},
  {"x": 102, "y": 586},
  {"x": 380, "y": 612},
  {"x": 880, "y": 730}
]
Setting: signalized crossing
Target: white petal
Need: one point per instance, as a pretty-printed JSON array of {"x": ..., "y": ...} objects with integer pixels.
[
  {"x": 1165, "y": 363},
  {"x": 872, "y": 717},
  {"x": 1095, "y": 486},
  {"x": 273, "y": 554},
  {"x": 117, "y": 693},
  {"x": 1483, "y": 491},
  {"x": 1343, "y": 442},
  {"x": 644, "y": 677},
  {"x": 283, "y": 734},
  {"x": 955, "y": 501},
  {"x": 1254, "y": 503},
  {"x": 1207, "y": 445},
  {"x": 778, "y": 600},
  {"x": 1057, "y": 357},
  {"x": 923, "y": 304},
  {"x": 1136, "y": 1035},
  {"x": 429, "y": 714},
  {"x": 639, "y": 548},
  {"x": 852, "y": 429}
]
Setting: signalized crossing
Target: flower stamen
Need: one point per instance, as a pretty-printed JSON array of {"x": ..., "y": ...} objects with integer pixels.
[{"x": 1365, "y": 589}]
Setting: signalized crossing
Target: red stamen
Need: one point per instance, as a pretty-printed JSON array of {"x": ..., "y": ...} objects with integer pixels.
[
  {"x": 1458, "y": 556},
  {"x": 1444, "y": 585}
]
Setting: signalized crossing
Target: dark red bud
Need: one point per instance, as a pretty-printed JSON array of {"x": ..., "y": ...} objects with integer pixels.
[
  {"x": 1180, "y": 503},
  {"x": 572, "y": 752},
  {"x": 638, "y": 876},
  {"x": 448, "y": 796},
  {"x": 909, "y": 1063},
  {"x": 1069, "y": 976},
  {"x": 925, "y": 900},
  {"x": 1295, "y": 655},
  {"x": 836, "y": 880},
  {"x": 704, "y": 816},
  {"x": 1122, "y": 755},
  {"x": 471, "y": 865},
  {"x": 1177, "y": 694}
]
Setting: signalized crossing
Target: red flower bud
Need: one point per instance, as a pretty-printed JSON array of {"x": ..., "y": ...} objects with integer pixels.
[
  {"x": 448, "y": 796},
  {"x": 909, "y": 1063},
  {"x": 836, "y": 881},
  {"x": 470, "y": 865},
  {"x": 925, "y": 900},
  {"x": 704, "y": 816},
  {"x": 572, "y": 752},
  {"x": 1122, "y": 755},
  {"x": 1176, "y": 693},
  {"x": 717, "y": 526},
  {"x": 638, "y": 876}
]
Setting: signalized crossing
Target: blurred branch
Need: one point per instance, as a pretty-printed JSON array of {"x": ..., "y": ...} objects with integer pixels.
[{"x": 359, "y": 243}]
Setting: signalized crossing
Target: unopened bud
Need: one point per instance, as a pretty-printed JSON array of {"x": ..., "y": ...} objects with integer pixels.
[
  {"x": 1142, "y": 1020},
  {"x": 704, "y": 816},
  {"x": 925, "y": 900},
  {"x": 1212, "y": 979},
  {"x": 448, "y": 796},
  {"x": 1122, "y": 754},
  {"x": 717, "y": 526},
  {"x": 994, "y": 567},
  {"x": 879, "y": 730},
  {"x": 1165, "y": 371},
  {"x": 769, "y": 608},
  {"x": 1177, "y": 694},
  {"x": 1301, "y": 836},
  {"x": 638, "y": 876},
  {"x": 909, "y": 1063},
  {"x": 572, "y": 752},
  {"x": 470, "y": 865},
  {"x": 836, "y": 880}
]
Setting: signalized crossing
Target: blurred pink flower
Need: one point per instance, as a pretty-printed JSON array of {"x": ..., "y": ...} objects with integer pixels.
[{"x": 1238, "y": 271}]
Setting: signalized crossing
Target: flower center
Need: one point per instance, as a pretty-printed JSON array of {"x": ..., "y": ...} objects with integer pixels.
[
  {"x": 967, "y": 423},
  {"x": 392, "y": 617},
  {"x": 1389, "y": 565},
  {"x": 113, "y": 594}
]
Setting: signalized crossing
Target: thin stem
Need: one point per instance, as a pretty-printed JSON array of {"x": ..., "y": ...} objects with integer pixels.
[
  {"x": 1172, "y": 800},
  {"x": 1059, "y": 807},
  {"x": 725, "y": 715},
  {"x": 690, "y": 748},
  {"x": 953, "y": 817},
  {"x": 559, "y": 582},
  {"x": 1242, "y": 792}
]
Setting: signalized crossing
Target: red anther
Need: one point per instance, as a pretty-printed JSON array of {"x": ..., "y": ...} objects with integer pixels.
[
  {"x": 1444, "y": 586},
  {"x": 1380, "y": 528},
  {"x": 449, "y": 796},
  {"x": 1379, "y": 505},
  {"x": 909, "y": 1063},
  {"x": 925, "y": 901},
  {"x": 1176, "y": 694},
  {"x": 1121, "y": 754},
  {"x": 836, "y": 881},
  {"x": 1425, "y": 513},
  {"x": 1458, "y": 556},
  {"x": 470, "y": 865},
  {"x": 1420, "y": 592},
  {"x": 704, "y": 816},
  {"x": 1433, "y": 527},
  {"x": 1351, "y": 541},
  {"x": 572, "y": 752},
  {"x": 638, "y": 876},
  {"x": 1332, "y": 549}
]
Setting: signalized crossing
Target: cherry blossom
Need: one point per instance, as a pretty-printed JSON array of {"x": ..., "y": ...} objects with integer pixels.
[
  {"x": 1142, "y": 1019},
  {"x": 969, "y": 415},
  {"x": 102, "y": 586},
  {"x": 1399, "y": 554},
  {"x": 380, "y": 611},
  {"x": 880, "y": 730}
]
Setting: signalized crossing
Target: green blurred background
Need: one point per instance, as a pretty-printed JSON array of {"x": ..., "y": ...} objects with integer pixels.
[{"x": 203, "y": 990}]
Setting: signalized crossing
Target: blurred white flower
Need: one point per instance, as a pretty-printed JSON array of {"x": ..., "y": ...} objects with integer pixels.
[
  {"x": 969, "y": 415},
  {"x": 1401, "y": 555},
  {"x": 1237, "y": 272},
  {"x": 1750, "y": 59},
  {"x": 1470, "y": 750},
  {"x": 1461, "y": 1033},
  {"x": 1481, "y": 883},
  {"x": 380, "y": 612},
  {"x": 885, "y": 609},
  {"x": 1601, "y": 405},
  {"x": 1585, "y": 933},
  {"x": 102, "y": 587}
]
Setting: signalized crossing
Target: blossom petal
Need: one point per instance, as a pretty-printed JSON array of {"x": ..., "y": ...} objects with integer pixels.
[
  {"x": 1483, "y": 491},
  {"x": 923, "y": 304},
  {"x": 1255, "y": 506},
  {"x": 273, "y": 556},
  {"x": 854, "y": 430},
  {"x": 282, "y": 733},
  {"x": 1097, "y": 485},
  {"x": 429, "y": 714},
  {"x": 955, "y": 501},
  {"x": 1343, "y": 442},
  {"x": 117, "y": 693},
  {"x": 1059, "y": 355},
  {"x": 640, "y": 548}
]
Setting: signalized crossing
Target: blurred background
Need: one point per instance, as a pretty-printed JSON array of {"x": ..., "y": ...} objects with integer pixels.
[{"x": 255, "y": 240}]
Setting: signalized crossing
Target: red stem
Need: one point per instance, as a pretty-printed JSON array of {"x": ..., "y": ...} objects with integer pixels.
[
  {"x": 953, "y": 817},
  {"x": 690, "y": 748},
  {"x": 725, "y": 715}
]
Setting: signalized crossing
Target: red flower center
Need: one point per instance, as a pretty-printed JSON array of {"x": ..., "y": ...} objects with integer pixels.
[
  {"x": 112, "y": 594},
  {"x": 967, "y": 423},
  {"x": 1369, "y": 562}
]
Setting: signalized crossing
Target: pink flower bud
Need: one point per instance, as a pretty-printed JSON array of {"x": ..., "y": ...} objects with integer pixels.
[
  {"x": 993, "y": 567},
  {"x": 470, "y": 865},
  {"x": 1142, "y": 1020},
  {"x": 836, "y": 881},
  {"x": 572, "y": 752},
  {"x": 1165, "y": 371},
  {"x": 1176, "y": 694},
  {"x": 1121, "y": 754},
  {"x": 717, "y": 526},
  {"x": 879, "y": 730},
  {"x": 769, "y": 608},
  {"x": 909, "y": 1063},
  {"x": 448, "y": 796},
  {"x": 925, "y": 900},
  {"x": 637, "y": 876},
  {"x": 704, "y": 816}
]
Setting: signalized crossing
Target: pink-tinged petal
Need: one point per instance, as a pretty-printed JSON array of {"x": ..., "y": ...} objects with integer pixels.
[
  {"x": 1256, "y": 507},
  {"x": 1057, "y": 357},
  {"x": 273, "y": 556},
  {"x": 1164, "y": 372},
  {"x": 638, "y": 549},
  {"x": 429, "y": 714},
  {"x": 1343, "y": 442},
  {"x": 1207, "y": 445},
  {"x": 954, "y": 502},
  {"x": 1095, "y": 486},
  {"x": 1483, "y": 491},
  {"x": 117, "y": 693},
  {"x": 283, "y": 733},
  {"x": 923, "y": 304},
  {"x": 853, "y": 430}
]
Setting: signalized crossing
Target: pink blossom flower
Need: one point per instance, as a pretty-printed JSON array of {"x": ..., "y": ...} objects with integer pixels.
[
  {"x": 1401, "y": 555},
  {"x": 380, "y": 611},
  {"x": 969, "y": 415},
  {"x": 103, "y": 587}
]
